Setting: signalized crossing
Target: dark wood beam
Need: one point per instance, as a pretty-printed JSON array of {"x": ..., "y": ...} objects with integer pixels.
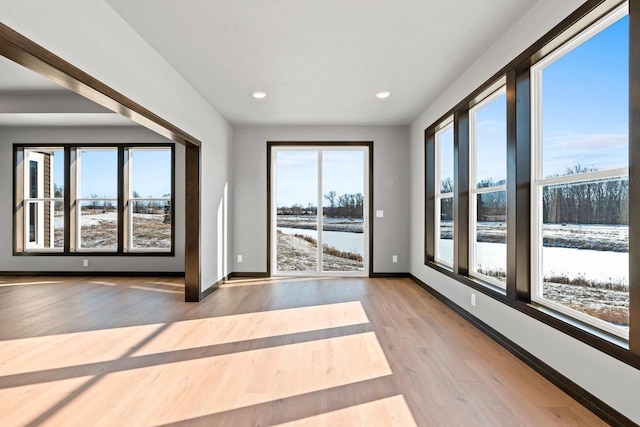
[
  {"x": 192, "y": 224},
  {"x": 461, "y": 192},
  {"x": 429, "y": 194},
  {"x": 31, "y": 55}
]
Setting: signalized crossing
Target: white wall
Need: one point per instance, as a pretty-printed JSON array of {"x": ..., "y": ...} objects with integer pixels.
[
  {"x": 91, "y": 36},
  {"x": 82, "y": 135},
  {"x": 612, "y": 381},
  {"x": 390, "y": 190}
]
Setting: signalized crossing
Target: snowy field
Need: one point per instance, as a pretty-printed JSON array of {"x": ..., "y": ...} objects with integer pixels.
[
  {"x": 595, "y": 282},
  {"x": 600, "y": 252},
  {"x": 100, "y": 231},
  {"x": 309, "y": 222},
  {"x": 601, "y": 266}
]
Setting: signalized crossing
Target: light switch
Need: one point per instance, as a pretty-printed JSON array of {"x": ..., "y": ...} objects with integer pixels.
[{"x": 379, "y": 213}]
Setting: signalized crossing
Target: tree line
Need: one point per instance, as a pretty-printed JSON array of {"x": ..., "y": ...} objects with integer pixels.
[
  {"x": 344, "y": 206},
  {"x": 339, "y": 206},
  {"x": 604, "y": 201}
]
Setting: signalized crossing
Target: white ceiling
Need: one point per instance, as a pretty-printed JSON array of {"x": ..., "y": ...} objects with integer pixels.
[
  {"x": 321, "y": 61},
  {"x": 29, "y": 99},
  {"x": 64, "y": 119},
  {"x": 14, "y": 77}
]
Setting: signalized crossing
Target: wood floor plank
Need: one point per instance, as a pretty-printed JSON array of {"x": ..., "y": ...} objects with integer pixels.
[{"x": 110, "y": 351}]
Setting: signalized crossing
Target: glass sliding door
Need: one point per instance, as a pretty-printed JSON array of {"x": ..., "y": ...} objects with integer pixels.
[
  {"x": 319, "y": 188},
  {"x": 343, "y": 210},
  {"x": 296, "y": 193}
]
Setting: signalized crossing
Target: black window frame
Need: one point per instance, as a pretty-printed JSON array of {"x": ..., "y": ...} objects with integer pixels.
[
  {"x": 518, "y": 87},
  {"x": 121, "y": 250}
]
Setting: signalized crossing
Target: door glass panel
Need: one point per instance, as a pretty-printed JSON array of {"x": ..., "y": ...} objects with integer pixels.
[
  {"x": 296, "y": 204},
  {"x": 343, "y": 210}
]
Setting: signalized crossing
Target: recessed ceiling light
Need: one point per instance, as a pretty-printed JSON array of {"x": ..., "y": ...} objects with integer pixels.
[
  {"x": 258, "y": 94},
  {"x": 383, "y": 94}
]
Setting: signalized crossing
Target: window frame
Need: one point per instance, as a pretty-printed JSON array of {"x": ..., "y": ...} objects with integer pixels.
[
  {"x": 474, "y": 190},
  {"x": 130, "y": 161},
  {"x": 441, "y": 196},
  {"x": 78, "y": 199},
  {"x": 28, "y": 199},
  {"x": 517, "y": 75},
  {"x": 71, "y": 200}
]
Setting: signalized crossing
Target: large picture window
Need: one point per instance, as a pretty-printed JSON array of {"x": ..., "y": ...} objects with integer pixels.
[
  {"x": 111, "y": 199},
  {"x": 580, "y": 209}
]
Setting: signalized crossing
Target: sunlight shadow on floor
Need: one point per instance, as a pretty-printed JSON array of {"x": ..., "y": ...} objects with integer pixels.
[
  {"x": 225, "y": 382},
  {"x": 242, "y": 327},
  {"x": 134, "y": 360},
  {"x": 95, "y": 282},
  {"x": 392, "y": 411},
  {"x": 174, "y": 285},
  {"x": 269, "y": 281},
  {"x": 50, "y": 282},
  {"x": 27, "y": 354},
  {"x": 147, "y": 288}
]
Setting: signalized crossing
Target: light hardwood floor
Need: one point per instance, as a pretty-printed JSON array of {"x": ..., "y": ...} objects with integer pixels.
[{"x": 288, "y": 352}]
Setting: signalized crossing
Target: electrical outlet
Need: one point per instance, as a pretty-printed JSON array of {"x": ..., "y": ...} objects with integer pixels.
[
  {"x": 85, "y": 263},
  {"x": 473, "y": 300},
  {"x": 239, "y": 258},
  {"x": 394, "y": 258}
]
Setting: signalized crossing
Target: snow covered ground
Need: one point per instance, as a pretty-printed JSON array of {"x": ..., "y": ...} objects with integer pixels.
[
  {"x": 297, "y": 254},
  {"x": 100, "y": 230},
  {"x": 309, "y": 222},
  {"x": 595, "y": 282}
]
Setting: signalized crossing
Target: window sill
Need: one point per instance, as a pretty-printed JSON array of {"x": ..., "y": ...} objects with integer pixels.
[
  {"x": 97, "y": 254},
  {"x": 588, "y": 328},
  {"x": 609, "y": 344}
]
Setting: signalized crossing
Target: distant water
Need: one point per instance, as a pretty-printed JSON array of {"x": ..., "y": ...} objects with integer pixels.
[{"x": 348, "y": 242}]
